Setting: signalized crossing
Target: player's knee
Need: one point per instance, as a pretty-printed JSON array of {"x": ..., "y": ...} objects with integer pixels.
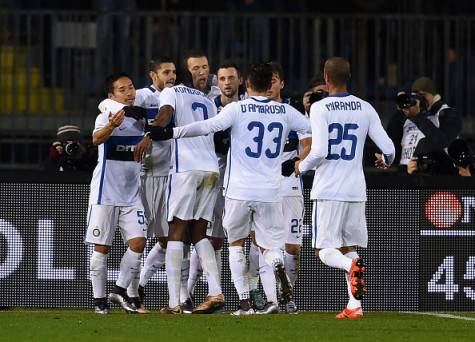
[
  {"x": 137, "y": 245},
  {"x": 292, "y": 249},
  {"x": 317, "y": 253},
  {"x": 346, "y": 249},
  {"x": 216, "y": 242},
  {"x": 102, "y": 249}
]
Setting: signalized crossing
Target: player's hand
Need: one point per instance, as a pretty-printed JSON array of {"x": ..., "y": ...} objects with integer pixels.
[
  {"x": 296, "y": 167},
  {"x": 288, "y": 167},
  {"x": 412, "y": 166},
  {"x": 115, "y": 120},
  {"x": 379, "y": 162},
  {"x": 464, "y": 171},
  {"x": 141, "y": 148}
]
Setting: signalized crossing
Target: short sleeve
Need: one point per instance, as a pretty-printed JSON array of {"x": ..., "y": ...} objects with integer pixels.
[{"x": 168, "y": 98}]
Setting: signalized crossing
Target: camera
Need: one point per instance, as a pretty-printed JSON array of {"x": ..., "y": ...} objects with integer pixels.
[
  {"x": 406, "y": 100},
  {"x": 72, "y": 149},
  {"x": 317, "y": 96},
  {"x": 460, "y": 153}
]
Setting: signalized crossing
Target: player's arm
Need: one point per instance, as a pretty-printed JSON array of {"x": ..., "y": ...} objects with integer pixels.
[
  {"x": 377, "y": 133},
  {"x": 306, "y": 145},
  {"x": 288, "y": 166},
  {"x": 217, "y": 123},
  {"x": 319, "y": 147},
  {"x": 105, "y": 125}
]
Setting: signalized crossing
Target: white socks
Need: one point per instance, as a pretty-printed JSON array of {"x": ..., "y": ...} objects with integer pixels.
[
  {"x": 334, "y": 258},
  {"x": 253, "y": 272},
  {"x": 292, "y": 266},
  {"x": 185, "y": 272},
  {"x": 267, "y": 279},
  {"x": 173, "y": 260},
  {"x": 155, "y": 260},
  {"x": 219, "y": 262},
  {"x": 352, "y": 302},
  {"x": 273, "y": 257},
  {"x": 205, "y": 251},
  {"x": 195, "y": 271},
  {"x": 98, "y": 274},
  {"x": 237, "y": 264},
  {"x": 129, "y": 268}
]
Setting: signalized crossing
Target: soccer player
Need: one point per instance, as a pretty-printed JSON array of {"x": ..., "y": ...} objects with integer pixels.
[
  {"x": 197, "y": 64},
  {"x": 114, "y": 200},
  {"x": 252, "y": 181},
  {"x": 154, "y": 178},
  {"x": 154, "y": 174},
  {"x": 297, "y": 146},
  {"x": 229, "y": 83},
  {"x": 192, "y": 191},
  {"x": 340, "y": 124}
]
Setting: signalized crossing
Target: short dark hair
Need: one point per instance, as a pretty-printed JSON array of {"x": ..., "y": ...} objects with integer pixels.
[
  {"x": 316, "y": 81},
  {"x": 228, "y": 64},
  {"x": 260, "y": 76},
  {"x": 277, "y": 69},
  {"x": 193, "y": 53},
  {"x": 337, "y": 70},
  {"x": 155, "y": 63},
  {"x": 109, "y": 82}
]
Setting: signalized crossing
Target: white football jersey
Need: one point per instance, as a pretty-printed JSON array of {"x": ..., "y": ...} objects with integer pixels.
[
  {"x": 157, "y": 162},
  {"x": 115, "y": 180},
  {"x": 195, "y": 153},
  {"x": 340, "y": 124},
  {"x": 258, "y": 127}
]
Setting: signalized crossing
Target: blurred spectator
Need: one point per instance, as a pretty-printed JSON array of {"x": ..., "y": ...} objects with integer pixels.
[{"x": 67, "y": 153}]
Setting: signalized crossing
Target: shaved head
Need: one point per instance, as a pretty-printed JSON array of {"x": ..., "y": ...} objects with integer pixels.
[{"x": 337, "y": 71}]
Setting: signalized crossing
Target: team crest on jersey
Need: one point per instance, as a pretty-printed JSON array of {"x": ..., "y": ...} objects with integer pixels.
[{"x": 96, "y": 232}]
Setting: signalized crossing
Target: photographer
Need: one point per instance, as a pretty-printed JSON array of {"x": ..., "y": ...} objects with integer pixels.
[
  {"x": 423, "y": 115},
  {"x": 458, "y": 160},
  {"x": 67, "y": 153}
]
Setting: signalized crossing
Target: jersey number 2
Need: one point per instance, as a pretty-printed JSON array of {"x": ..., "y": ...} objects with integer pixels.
[
  {"x": 342, "y": 133},
  {"x": 260, "y": 137}
]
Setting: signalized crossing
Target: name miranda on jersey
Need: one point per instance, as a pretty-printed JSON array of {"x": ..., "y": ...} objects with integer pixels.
[
  {"x": 263, "y": 109},
  {"x": 343, "y": 105}
]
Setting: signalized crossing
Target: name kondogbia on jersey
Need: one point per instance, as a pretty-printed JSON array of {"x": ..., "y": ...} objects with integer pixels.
[
  {"x": 186, "y": 90},
  {"x": 343, "y": 105},
  {"x": 263, "y": 108}
]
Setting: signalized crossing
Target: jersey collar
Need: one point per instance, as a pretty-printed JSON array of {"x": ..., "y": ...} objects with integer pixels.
[
  {"x": 262, "y": 99},
  {"x": 342, "y": 94}
]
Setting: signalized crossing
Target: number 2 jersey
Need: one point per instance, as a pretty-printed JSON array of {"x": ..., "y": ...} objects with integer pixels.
[
  {"x": 258, "y": 129},
  {"x": 195, "y": 153},
  {"x": 340, "y": 124},
  {"x": 115, "y": 180}
]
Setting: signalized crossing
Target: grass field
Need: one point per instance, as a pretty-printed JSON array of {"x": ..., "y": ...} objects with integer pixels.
[{"x": 84, "y": 325}]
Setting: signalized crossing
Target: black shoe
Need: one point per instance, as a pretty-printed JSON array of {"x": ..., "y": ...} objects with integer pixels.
[
  {"x": 101, "y": 307},
  {"x": 119, "y": 296},
  {"x": 285, "y": 285},
  {"x": 257, "y": 301},
  {"x": 187, "y": 306},
  {"x": 142, "y": 293},
  {"x": 244, "y": 309},
  {"x": 138, "y": 305}
]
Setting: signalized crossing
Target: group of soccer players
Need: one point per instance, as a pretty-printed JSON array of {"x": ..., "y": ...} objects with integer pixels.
[{"x": 193, "y": 163}]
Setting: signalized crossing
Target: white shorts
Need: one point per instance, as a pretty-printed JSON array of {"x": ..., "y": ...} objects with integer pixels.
[
  {"x": 191, "y": 195},
  {"x": 216, "y": 227},
  {"x": 338, "y": 224},
  {"x": 104, "y": 219},
  {"x": 293, "y": 211},
  {"x": 266, "y": 218},
  {"x": 154, "y": 195}
]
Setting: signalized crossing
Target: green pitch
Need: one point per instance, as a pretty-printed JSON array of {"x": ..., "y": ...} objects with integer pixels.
[{"x": 82, "y": 325}]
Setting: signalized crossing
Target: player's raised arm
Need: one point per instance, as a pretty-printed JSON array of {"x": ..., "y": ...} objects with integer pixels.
[
  {"x": 167, "y": 108},
  {"x": 319, "y": 149},
  {"x": 220, "y": 122},
  {"x": 377, "y": 133}
]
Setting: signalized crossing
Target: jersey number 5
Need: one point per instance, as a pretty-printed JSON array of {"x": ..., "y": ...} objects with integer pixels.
[
  {"x": 260, "y": 137},
  {"x": 342, "y": 133}
]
